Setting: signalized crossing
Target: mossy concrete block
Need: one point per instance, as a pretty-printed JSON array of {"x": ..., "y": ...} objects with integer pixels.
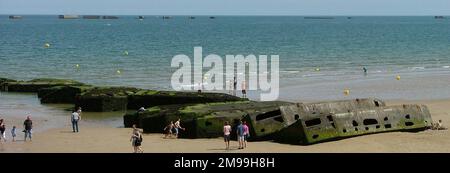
[
  {"x": 265, "y": 119},
  {"x": 61, "y": 94},
  {"x": 319, "y": 127},
  {"x": 211, "y": 126},
  {"x": 36, "y": 84},
  {"x": 149, "y": 98},
  {"x": 4, "y": 81},
  {"x": 104, "y": 99},
  {"x": 327, "y": 107},
  {"x": 196, "y": 117}
]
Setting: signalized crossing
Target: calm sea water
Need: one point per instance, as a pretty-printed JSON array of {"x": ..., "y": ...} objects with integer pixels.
[{"x": 418, "y": 48}]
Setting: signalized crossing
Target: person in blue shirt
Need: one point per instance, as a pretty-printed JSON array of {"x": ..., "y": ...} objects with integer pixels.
[{"x": 240, "y": 135}]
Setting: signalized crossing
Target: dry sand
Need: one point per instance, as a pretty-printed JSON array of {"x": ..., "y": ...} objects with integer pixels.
[{"x": 104, "y": 139}]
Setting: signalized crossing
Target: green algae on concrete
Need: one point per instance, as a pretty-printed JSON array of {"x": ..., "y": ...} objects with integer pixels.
[
  {"x": 201, "y": 120},
  {"x": 149, "y": 98},
  {"x": 36, "y": 84},
  {"x": 104, "y": 99},
  {"x": 61, "y": 94}
]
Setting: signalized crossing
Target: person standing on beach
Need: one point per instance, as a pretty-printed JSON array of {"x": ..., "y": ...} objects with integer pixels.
[
  {"x": 234, "y": 86},
  {"x": 246, "y": 134},
  {"x": 75, "y": 117},
  {"x": 136, "y": 140},
  {"x": 13, "y": 133},
  {"x": 244, "y": 89},
  {"x": 177, "y": 127},
  {"x": 240, "y": 135},
  {"x": 226, "y": 134},
  {"x": 231, "y": 87},
  {"x": 28, "y": 126},
  {"x": 2, "y": 130}
]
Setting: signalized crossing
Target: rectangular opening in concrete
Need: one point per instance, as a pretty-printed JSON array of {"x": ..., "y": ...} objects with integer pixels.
[
  {"x": 313, "y": 122},
  {"x": 370, "y": 122},
  {"x": 409, "y": 123},
  {"x": 387, "y": 126},
  {"x": 268, "y": 115}
]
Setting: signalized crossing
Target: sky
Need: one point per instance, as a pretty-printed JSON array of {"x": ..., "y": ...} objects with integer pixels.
[{"x": 228, "y": 7}]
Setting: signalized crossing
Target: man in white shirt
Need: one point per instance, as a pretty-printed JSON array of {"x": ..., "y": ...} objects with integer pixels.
[
  {"x": 75, "y": 117},
  {"x": 178, "y": 127}
]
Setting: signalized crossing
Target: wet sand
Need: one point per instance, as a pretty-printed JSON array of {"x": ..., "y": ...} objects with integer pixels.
[{"x": 94, "y": 138}]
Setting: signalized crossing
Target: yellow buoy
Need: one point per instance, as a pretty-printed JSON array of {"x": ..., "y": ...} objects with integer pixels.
[
  {"x": 118, "y": 71},
  {"x": 317, "y": 69},
  {"x": 78, "y": 65},
  {"x": 398, "y": 77},
  {"x": 346, "y": 92},
  {"x": 46, "y": 45},
  {"x": 125, "y": 52}
]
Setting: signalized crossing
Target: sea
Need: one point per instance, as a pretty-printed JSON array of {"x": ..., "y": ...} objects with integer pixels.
[{"x": 319, "y": 58}]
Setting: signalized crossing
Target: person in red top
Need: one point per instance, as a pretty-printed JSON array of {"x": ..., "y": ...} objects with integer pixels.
[{"x": 246, "y": 133}]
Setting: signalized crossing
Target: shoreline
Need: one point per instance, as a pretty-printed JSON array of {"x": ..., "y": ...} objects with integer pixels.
[{"x": 100, "y": 138}]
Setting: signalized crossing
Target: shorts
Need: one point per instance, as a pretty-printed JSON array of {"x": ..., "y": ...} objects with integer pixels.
[
  {"x": 244, "y": 92},
  {"x": 226, "y": 138},
  {"x": 136, "y": 143},
  {"x": 241, "y": 138}
]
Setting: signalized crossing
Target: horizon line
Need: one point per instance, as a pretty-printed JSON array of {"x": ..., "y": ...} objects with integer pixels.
[{"x": 301, "y": 15}]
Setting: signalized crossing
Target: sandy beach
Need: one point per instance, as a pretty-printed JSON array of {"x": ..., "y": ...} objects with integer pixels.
[{"x": 98, "y": 138}]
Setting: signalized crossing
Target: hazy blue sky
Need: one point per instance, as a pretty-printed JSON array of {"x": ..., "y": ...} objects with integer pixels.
[{"x": 228, "y": 7}]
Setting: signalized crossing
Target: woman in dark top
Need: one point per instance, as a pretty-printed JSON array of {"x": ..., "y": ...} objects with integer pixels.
[
  {"x": 2, "y": 130},
  {"x": 28, "y": 126}
]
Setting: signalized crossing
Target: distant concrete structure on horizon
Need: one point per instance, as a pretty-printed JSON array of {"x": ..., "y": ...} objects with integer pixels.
[
  {"x": 15, "y": 17},
  {"x": 91, "y": 17},
  {"x": 68, "y": 17},
  {"x": 110, "y": 17}
]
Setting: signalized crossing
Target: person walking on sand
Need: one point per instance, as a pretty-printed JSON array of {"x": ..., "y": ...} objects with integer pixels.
[
  {"x": 28, "y": 126},
  {"x": 177, "y": 127},
  {"x": 13, "y": 133},
  {"x": 240, "y": 135},
  {"x": 2, "y": 130},
  {"x": 226, "y": 134},
  {"x": 168, "y": 130},
  {"x": 75, "y": 117},
  {"x": 136, "y": 140},
  {"x": 246, "y": 134}
]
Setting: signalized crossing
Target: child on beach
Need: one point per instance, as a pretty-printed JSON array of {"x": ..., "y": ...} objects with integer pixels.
[
  {"x": 168, "y": 130},
  {"x": 226, "y": 134},
  {"x": 13, "y": 133}
]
